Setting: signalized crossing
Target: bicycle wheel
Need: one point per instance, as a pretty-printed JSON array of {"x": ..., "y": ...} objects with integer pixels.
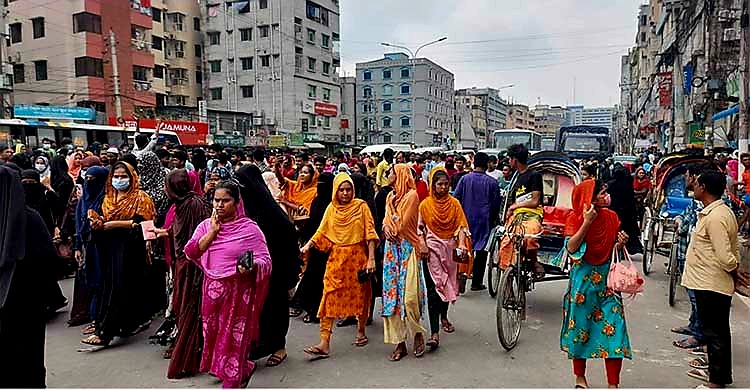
[
  {"x": 493, "y": 267},
  {"x": 649, "y": 251},
  {"x": 511, "y": 300},
  {"x": 674, "y": 276}
]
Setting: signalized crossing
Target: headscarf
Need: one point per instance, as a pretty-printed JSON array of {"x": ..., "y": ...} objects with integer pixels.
[
  {"x": 46, "y": 173},
  {"x": 600, "y": 238},
  {"x": 59, "y": 172},
  {"x": 319, "y": 205},
  {"x": 638, "y": 184},
  {"x": 302, "y": 194},
  {"x": 90, "y": 161},
  {"x": 347, "y": 224},
  {"x": 73, "y": 170},
  {"x": 223, "y": 173},
  {"x": 621, "y": 190},
  {"x": 92, "y": 199},
  {"x": 190, "y": 207},
  {"x": 152, "y": 181},
  {"x": 122, "y": 207},
  {"x": 344, "y": 167},
  {"x": 12, "y": 227},
  {"x": 402, "y": 206},
  {"x": 443, "y": 216},
  {"x": 364, "y": 189},
  {"x": 36, "y": 198}
]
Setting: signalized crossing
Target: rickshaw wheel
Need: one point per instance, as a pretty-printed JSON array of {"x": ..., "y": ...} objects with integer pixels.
[
  {"x": 493, "y": 266},
  {"x": 511, "y": 301}
]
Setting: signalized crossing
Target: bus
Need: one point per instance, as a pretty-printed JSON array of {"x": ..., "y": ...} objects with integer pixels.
[
  {"x": 32, "y": 132},
  {"x": 507, "y": 137}
]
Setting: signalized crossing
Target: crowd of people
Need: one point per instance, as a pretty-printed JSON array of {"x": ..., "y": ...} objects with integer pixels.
[{"x": 227, "y": 246}]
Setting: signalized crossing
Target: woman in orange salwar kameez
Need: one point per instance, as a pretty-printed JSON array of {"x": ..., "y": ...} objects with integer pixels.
[
  {"x": 347, "y": 233},
  {"x": 298, "y": 194}
]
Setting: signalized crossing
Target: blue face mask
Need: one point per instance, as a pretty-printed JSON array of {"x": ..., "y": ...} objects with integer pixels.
[{"x": 120, "y": 184}]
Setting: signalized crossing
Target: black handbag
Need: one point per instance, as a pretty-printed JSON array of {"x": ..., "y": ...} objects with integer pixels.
[{"x": 246, "y": 260}]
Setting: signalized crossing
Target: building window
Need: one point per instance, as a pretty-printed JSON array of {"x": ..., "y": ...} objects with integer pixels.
[
  {"x": 85, "y": 21},
  {"x": 326, "y": 122},
  {"x": 386, "y": 74},
  {"x": 196, "y": 24},
  {"x": 310, "y": 36},
  {"x": 265, "y": 61},
  {"x": 326, "y": 68},
  {"x": 367, "y": 75},
  {"x": 89, "y": 66},
  {"x": 387, "y": 107},
  {"x": 387, "y": 90},
  {"x": 405, "y": 121},
  {"x": 367, "y": 93},
  {"x": 263, "y": 31},
  {"x": 214, "y": 38},
  {"x": 15, "y": 32},
  {"x": 312, "y": 91},
  {"x": 263, "y": 4},
  {"x": 366, "y": 123},
  {"x": 325, "y": 41},
  {"x": 158, "y": 72},
  {"x": 40, "y": 69},
  {"x": 405, "y": 105},
  {"x": 157, "y": 43},
  {"x": 38, "y": 27},
  {"x": 327, "y": 94},
  {"x": 387, "y": 122},
  {"x": 198, "y": 51},
  {"x": 156, "y": 14},
  {"x": 19, "y": 73},
  {"x": 215, "y": 66},
  {"x": 246, "y": 34},
  {"x": 405, "y": 73},
  {"x": 215, "y": 93},
  {"x": 387, "y": 138},
  {"x": 405, "y": 89},
  {"x": 198, "y": 77},
  {"x": 140, "y": 73},
  {"x": 311, "y": 64},
  {"x": 248, "y": 91},
  {"x": 247, "y": 63},
  {"x": 367, "y": 107},
  {"x": 317, "y": 13}
]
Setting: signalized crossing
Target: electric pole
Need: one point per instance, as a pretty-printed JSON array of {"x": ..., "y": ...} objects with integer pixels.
[
  {"x": 6, "y": 84},
  {"x": 744, "y": 130},
  {"x": 115, "y": 74},
  {"x": 712, "y": 52}
]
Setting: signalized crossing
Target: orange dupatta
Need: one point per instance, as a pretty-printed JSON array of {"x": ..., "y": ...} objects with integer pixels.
[
  {"x": 301, "y": 194},
  {"x": 347, "y": 224},
  {"x": 443, "y": 216},
  {"x": 600, "y": 238},
  {"x": 402, "y": 206},
  {"x": 122, "y": 207}
]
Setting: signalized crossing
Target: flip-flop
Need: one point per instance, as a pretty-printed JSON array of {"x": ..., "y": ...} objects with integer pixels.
[
  {"x": 419, "y": 353},
  {"x": 448, "y": 327},
  {"x": 316, "y": 353},
  {"x": 682, "y": 330},
  {"x": 361, "y": 341},
  {"x": 698, "y": 351},
  {"x": 89, "y": 330},
  {"x": 699, "y": 363},
  {"x": 433, "y": 344},
  {"x": 274, "y": 360},
  {"x": 698, "y": 374},
  {"x": 687, "y": 343},
  {"x": 89, "y": 341},
  {"x": 398, "y": 355}
]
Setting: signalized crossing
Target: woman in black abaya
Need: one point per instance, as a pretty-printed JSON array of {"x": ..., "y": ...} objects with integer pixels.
[
  {"x": 621, "y": 191},
  {"x": 281, "y": 237}
]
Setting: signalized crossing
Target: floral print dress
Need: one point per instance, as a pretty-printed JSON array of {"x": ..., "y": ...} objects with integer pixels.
[{"x": 593, "y": 316}]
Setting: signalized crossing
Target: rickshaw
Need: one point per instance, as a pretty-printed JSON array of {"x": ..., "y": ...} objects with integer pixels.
[{"x": 510, "y": 285}]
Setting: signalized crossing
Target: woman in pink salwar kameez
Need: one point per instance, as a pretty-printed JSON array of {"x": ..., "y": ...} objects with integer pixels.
[{"x": 233, "y": 295}]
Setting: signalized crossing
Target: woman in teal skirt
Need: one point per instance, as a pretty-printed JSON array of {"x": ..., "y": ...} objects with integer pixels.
[{"x": 593, "y": 317}]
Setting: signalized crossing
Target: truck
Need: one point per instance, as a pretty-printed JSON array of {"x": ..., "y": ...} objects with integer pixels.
[{"x": 584, "y": 142}]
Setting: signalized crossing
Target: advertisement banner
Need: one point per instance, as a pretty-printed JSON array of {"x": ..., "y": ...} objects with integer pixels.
[
  {"x": 276, "y": 141},
  {"x": 665, "y": 89},
  {"x": 230, "y": 140},
  {"x": 54, "y": 112},
  {"x": 697, "y": 134},
  {"x": 345, "y": 123},
  {"x": 326, "y": 109},
  {"x": 296, "y": 139},
  {"x": 190, "y": 133}
]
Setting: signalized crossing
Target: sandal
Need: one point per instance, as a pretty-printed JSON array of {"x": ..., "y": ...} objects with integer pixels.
[
  {"x": 419, "y": 349},
  {"x": 294, "y": 312},
  {"x": 360, "y": 341},
  {"x": 95, "y": 341},
  {"x": 398, "y": 354},
  {"x": 89, "y": 330},
  {"x": 448, "y": 327},
  {"x": 433, "y": 343},
  {"x": 682, "y": 330},
  {"x": 700, "y": 363},
  {"x": 316, "y": 353},
  {"x": 698, "y": 374},
  {"x": 687, "y": 343},
  {"x": 275, "y": 360}
]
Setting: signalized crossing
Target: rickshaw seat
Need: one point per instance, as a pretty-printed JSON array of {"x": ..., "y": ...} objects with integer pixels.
[
  {"x": 675, "y": 205},
  {"x": 556, "y": 215}
]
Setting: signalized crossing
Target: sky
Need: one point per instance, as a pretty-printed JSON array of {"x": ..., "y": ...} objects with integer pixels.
[{"x": 546, "y": 49}]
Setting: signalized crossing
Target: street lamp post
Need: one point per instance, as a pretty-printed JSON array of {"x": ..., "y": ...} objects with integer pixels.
[{"x": 412, "y": 66}]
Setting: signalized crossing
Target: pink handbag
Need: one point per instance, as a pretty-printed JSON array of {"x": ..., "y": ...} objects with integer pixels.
[{"x": 623, "y": 276}]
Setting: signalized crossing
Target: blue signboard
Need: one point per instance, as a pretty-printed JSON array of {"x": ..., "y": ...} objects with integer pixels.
[{"x": 54, "y": 112}]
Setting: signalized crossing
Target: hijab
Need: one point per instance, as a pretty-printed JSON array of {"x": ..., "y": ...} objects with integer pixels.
[
  {"x": 344, "y": 167},
  {"x": 600, "y": 238},
  {"x": 90, "y": 161},
  {"x": 363, "y": 189},
  {"x": 125, "y": 206},
  {"x": 347, "y": 224},
  {"x": 59, "y": 172},
  {"x": 442, "y": 215},
  {"x": 190, "y": 207},
  {"x": 402, "y": 206},
  {"x": 92, "y": 199},
  {"x": 46, "y": 173},
  {"x": 404, "y": 182},
  {"x": 74, "y": 170},
  {"x": 152, "y": 181},
  {"x": 12, "y": 227}
]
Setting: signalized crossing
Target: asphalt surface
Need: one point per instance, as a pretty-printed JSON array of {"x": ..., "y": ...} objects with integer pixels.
[{"x": 470, "y": 357}]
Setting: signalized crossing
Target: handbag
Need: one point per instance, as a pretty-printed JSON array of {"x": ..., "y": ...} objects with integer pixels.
[
  {"x": 64, "y": 249},
  {"x": 623, "y": 276},
  {"x": 461, "y": 256}
]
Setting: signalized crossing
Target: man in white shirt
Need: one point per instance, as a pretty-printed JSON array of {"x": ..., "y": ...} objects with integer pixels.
[
  {"x": 492, "y": 168},
  {"x": 143, "y": 143}
]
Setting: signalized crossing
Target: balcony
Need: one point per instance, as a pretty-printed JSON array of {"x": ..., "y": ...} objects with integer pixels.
[{"x": 140, "y": 85}]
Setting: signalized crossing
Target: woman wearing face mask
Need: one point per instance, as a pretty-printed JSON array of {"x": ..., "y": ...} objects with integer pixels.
[
  {"x": 123, "y": 254},
  {"x": 593, "y": 315},
  {"x": 41, "y": 164}
]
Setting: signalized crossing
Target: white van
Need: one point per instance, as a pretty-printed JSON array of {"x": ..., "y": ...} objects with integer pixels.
[{"x": 369, "y": 150}]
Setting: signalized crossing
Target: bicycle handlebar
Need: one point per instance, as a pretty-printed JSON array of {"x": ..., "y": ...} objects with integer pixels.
[{"x": 501, "y": 231}]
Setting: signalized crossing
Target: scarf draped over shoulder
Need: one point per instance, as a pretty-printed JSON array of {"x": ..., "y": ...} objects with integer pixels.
[
  {"x": 443, "y": 216},
  {"x": 347, "y": 224},
  {"x": 122, "y": 207},
  {"x": 600, "y": 238},
  {"x": 402, "y": 206}
]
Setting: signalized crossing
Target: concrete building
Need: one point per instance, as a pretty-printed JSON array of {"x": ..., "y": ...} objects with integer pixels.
[
  {"x": 597, "y": 116},
  {"x": 520, "y": 117},
  {"x": 61, "y": 53},
  {"x": 489, "y": 112},
  {"x": 403, "y": 100},
  {"x": 349, "y": 134},
  {"x": 465, "y": 132},
  {"x": 548, "y": 119},
  {"x": 276, "y": 61}
]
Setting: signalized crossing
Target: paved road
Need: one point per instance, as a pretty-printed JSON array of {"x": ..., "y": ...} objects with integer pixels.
[{"x": 471, "y": 357}]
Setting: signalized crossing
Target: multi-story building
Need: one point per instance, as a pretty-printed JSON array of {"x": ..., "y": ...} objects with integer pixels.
[
  {"x": 489, "y": 111},
  {"x": 547, "y": 119},
  {"x": 465, "y": 132},
  {"x": 349, "y": 135},
  {"x": 62, "y": 53},
  {"x": 520, "y": 117},
  {"x": 597, "y": 116},
  {"x": 276, "y": 61},
  {"x": 405, "y": 100}
]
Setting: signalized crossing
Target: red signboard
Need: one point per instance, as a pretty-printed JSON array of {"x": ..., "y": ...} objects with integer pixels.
[
  {"x": 325, "y": 109},
  {"x": 345, "y": 123},
  {"x": 190, "y": 133},
  {"x": 665, "y": 89}
]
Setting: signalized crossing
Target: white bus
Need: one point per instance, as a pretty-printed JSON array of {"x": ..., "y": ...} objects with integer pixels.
[{"x": 507, "y": 137}]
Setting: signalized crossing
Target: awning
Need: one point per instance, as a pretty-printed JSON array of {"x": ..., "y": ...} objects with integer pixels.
[{"x": 314, "y": 145}]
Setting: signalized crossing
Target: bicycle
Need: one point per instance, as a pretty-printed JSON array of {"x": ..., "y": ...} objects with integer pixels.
[{"x": 516, "y": 280}]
